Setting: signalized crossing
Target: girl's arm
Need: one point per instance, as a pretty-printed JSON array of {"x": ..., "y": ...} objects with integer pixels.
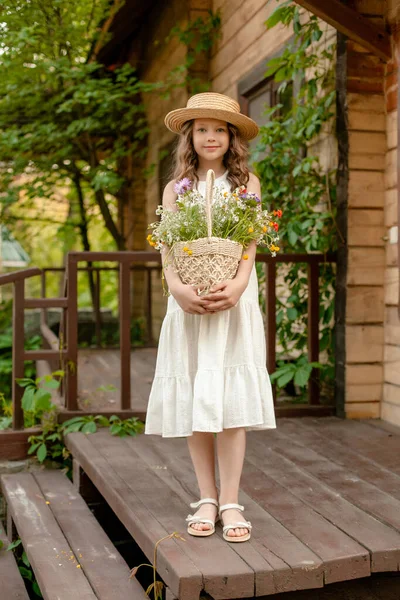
[
  {"x": 185, "y": 295},
  {"x": 226, "y": 294}
]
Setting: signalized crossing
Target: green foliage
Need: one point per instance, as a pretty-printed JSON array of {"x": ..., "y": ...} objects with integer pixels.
[
  {"x": 36, "y": 400},
  {"x": 24, "y": 567},
  {"x": 67, "y": 121},
  {"x": 298, "y": 371},
  {"x": 39, "y": 410},
  {"x": 293, "y": 179},
  {"x": 32, "y": 343}
]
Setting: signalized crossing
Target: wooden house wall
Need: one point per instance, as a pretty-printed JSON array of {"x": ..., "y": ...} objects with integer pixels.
[
  {"x": 390, "y": 409},
  {"x": 372, "y": 325}
]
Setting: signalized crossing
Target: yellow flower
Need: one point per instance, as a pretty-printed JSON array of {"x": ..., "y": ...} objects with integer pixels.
[
  {"x": 277, "y": 248},
  {"x": 185, "y": 249},
  {"x": 190, "y": 252},
  {"x": 251, "y": 229},
  {"x": 245, "y": 256},
  {"x": 225, "y": 194},
  {"x": 264, "y": 229}
]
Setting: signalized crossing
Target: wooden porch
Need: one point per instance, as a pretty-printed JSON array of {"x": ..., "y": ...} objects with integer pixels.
[{"x": 323, "y": 496}]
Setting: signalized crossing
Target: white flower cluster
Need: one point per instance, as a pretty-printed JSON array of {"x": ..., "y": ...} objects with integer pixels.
[{"x": 236, "y": 216}]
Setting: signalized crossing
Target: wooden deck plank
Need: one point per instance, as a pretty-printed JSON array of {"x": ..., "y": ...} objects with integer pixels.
[
  {"x": 272, "y": 546},
  {"x": 343, "y": 557},
  {"x": 225, "y": 574},
  {"x": 51, "y": 557},
  {"x": 180, "y": 574},
  {"x": 362, "y": 467},
  {"x": 11, "y": 582},
  {"x": 101, "y": 367},
  {"x": 102, "y": 564},
  {"x": 384, "y": 587},
  {"x": 372, "y": 442},
  {"x": 360, "y": 493},
  {"x": 382, "y": 541}
]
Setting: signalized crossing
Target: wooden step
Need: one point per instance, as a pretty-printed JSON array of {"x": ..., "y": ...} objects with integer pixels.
[
  {"x": 71, "y": 555},
  {"x": 12, "y": 584}
]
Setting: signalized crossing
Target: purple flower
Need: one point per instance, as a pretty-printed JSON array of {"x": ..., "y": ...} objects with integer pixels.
[{"x": 182, "y": 186}]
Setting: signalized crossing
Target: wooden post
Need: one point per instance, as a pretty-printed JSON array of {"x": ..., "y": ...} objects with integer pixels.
[
  {"x": 125, "y": 332},
  {"x": 72, "y": 334},
  {"x": 271, "y": 320},
  {"x": 313, "y": 330},
  {"x": 18, "y": 353}
]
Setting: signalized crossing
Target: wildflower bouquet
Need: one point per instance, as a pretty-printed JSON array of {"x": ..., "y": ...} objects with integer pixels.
[{"x": 207, "y": 241}]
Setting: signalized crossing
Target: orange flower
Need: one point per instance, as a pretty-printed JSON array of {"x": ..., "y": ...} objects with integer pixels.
[{"x": 245, "y": 256}]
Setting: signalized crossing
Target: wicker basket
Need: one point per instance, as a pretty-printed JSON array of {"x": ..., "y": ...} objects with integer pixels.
[{"x": 212, "y": 259}]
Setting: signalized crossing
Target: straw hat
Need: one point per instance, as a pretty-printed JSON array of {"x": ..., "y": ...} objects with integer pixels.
[{"x": 212, "y": 106}]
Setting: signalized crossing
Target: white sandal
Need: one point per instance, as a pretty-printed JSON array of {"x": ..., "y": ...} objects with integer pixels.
[
  {"x": 237, "y": 525},
  {"x": 191, "y": 519}
]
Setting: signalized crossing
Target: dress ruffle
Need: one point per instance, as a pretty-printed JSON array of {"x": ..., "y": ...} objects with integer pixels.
[{"x": 211, "y": 371}]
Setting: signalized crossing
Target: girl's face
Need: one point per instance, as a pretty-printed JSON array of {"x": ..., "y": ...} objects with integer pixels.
[{"x": 210, "y": 138}]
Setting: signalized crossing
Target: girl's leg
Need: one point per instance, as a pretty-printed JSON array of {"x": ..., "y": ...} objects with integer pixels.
[
  {"x": 231, "y": 447},
  {"x": 201, "y": 448}
]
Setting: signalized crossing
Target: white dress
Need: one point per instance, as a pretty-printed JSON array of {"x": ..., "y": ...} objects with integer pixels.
[{"x": 211, "y": 369}]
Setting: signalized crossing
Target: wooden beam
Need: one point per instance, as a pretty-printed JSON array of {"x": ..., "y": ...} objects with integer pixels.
[{"x": 351, "y": 23}]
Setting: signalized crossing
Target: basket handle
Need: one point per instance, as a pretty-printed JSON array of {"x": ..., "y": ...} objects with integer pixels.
[{"x": 210, "y": 180}]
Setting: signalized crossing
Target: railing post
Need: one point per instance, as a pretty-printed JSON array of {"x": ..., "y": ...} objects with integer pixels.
[
  {"x": 149, "y": 308},
  {"x": 43, "y": 312},
  {"x": 271, "y": 320},
  {"x": 97, "y": 313},
  {"x": 18, "y": 353},
  {"x": 313, "y": 329},
  {"x": 71, "y": 368},
  {"x": 125, "y": 332}
]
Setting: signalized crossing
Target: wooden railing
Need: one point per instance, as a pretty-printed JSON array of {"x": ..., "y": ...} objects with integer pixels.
[{"x": 67, "y": 347}]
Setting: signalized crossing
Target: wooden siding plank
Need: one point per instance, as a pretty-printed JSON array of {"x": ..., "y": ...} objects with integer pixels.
[
  {"x": 364, "y": 343},
  {"x": 102, "y": 564},
  {"x": 364, "y": 305},
  {"x": 366, "y": 189},
  {"x": 352, "y": 24},
  {"x": 12, "y": 584},
  {"x": 52, "y": 559},
  {"x": 382, "y": 541},
  {"x": 179, "y": 573},
  {"x": 225, "y": 574},
  {"x": 271, "y": 547}
]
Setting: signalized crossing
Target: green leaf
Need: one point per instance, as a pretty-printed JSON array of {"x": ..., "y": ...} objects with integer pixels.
[
  {"x": 284, "y": 379},
  {"x": 36, "y": 589},
  {"x": 42, "y": 453},
  {"x": 89, "y": 427},
  {"x": 28, "y": 399},
  {"x": 291, "y": 313},
  {"x": 26, "y": 573},
  {"x": 302, "y": 376},
  {"x": 14, "y": 544},
  {"x": 25, "y": 559},
  {"x": 24, "y": 382}
]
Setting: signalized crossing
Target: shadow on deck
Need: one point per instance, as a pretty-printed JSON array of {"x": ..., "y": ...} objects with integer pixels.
[{"x": 323, "y": 496}]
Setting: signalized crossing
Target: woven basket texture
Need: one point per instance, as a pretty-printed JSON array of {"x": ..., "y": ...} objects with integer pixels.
[{"x": 212, "y": 259}]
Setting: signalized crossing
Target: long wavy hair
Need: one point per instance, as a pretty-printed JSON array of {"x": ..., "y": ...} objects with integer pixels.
[{"x": 235, "y": 158}]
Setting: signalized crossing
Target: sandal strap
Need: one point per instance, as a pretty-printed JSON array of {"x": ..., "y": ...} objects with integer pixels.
[
  {"x": 237, "y": 525},
  {"x": 204, "y": 501},
  {"x": 191, "y": 519},
  {"x": 228, "y": 506}
]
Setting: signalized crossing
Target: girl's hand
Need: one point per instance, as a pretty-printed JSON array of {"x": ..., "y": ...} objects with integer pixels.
[
  {"x": 188, "y": 298},
  {"x": 224, "y": 295}
]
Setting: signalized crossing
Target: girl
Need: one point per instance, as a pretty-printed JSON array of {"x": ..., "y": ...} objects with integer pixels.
[{"x": 210, "y": 375}]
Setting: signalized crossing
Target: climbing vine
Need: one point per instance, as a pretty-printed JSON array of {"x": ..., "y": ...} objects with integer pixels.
[{"x": 298, "y": 131}]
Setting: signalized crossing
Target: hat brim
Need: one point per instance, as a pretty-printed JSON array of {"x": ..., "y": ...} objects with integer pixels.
[{"x": 176, "y": 118}]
